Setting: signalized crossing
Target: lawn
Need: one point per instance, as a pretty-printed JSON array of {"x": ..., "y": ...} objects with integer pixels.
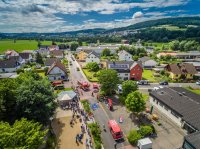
[
  {"x": 90, "y": 75},
  {"x": 158, "y": 44},
  {"x": 171, "y": 27},
  {"x": 20, "y": 45},
  {"x": 197, "y": 91},
  {"x": 148, "y": 75}
]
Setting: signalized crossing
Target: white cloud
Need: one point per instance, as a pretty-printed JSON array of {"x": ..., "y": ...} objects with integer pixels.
[
  {"x": 138, "y": 14},
  {"x": 41, "y": 15}
]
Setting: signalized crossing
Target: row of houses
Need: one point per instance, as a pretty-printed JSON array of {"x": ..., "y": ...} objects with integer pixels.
[
  {"x": 14, "y": 60},
  {"x": 183, "y": 108}
]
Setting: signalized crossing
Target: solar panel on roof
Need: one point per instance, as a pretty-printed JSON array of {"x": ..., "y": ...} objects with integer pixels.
[{"x": 118, "y": 66}]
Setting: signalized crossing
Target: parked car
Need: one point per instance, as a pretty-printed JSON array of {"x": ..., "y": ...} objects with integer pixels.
[
  {"x": 143, "y": 82},
  {"x": 198, "y": 83},
  {"x": 164, "y": 83}
]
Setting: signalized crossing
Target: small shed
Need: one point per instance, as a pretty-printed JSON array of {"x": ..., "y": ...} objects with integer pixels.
[
  {"x": 145, "y": 143},
  {"x": 65, "y": 97}
]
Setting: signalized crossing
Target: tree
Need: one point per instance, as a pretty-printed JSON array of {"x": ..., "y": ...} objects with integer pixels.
[
  {"x": 135, "y": 102},
  {"x": 80, "y": 43},
  {"x": 39, "y": 59},
  {"x": 128, "y": 87},
  {"x": 106, "y": 52},
  {"x": 133, "y": 137},
  {"x": 145, "y": 130},
  {"x": 74, "y": 46},
  {"x": 8, "y": 99},
  {"x": 92, "y": 66},
  {"x": 108, "y": 80},
  {"x": 22, "y": 134},
  {"x": 35, "y": 99},
  {"x": 174, "y": 45}
]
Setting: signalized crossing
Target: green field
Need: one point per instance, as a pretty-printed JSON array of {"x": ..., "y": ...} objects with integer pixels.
[
  {"x": 20, "y": 45},
  {"x": 170, "y": 27},
  {"x": 148, "y": 75}
]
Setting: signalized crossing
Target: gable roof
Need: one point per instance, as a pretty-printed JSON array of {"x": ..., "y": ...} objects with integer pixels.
[
  {"x": 11, "y": 53},
  {"x": 182, "y": 103},
  {"x": 120, "y": 66},
  {"x": 123, "y": 52},
  {"x": 56, "y": 53},
  {"x": 11, "y": 63},
  {"x": 24, "y": 55},
  {"x": 59, "y": 65},
  {"x": 94, "y": 53},
  {"x": 144, "y": 59},
  {"x": 194, "y": 139},
  {"x": 183, "y": 68},
  {"x": 136, "y": 63},
  {"x": 50, "y": 61}
]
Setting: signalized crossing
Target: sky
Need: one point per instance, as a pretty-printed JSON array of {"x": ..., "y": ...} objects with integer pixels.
[{"x": 18, "y": 16}]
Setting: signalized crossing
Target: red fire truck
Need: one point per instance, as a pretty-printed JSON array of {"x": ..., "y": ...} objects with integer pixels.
[{"x": 115, "y": 130}]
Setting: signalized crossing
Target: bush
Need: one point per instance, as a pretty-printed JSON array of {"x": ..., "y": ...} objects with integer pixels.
[
  {"x": 86, "y": 106},
  {"x": 96, "y": 134},
  {"x": 92, "y": 66},
  {"x": 20, "y": 71},
  {"x": 145, "y": 131},
  {"x": 133, "y": 137}
]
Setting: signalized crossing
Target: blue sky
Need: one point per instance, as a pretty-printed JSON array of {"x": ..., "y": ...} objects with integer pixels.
[{"x": 70, "y": 15}]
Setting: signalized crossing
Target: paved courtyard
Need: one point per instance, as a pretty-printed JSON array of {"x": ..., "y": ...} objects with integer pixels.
[{"x": 170, "y": 136}]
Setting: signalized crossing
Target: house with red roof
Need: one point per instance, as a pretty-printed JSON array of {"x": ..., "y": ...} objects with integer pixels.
[{"x": 57, "y": 71}]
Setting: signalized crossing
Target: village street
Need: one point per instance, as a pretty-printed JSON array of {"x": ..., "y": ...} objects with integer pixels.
[{"x": 101, "y": 116}]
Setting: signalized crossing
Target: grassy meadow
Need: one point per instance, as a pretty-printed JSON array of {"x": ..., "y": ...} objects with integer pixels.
[{"x": 20, "y": 45}]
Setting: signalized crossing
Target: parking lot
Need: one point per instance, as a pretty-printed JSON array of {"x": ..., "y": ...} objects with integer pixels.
[{"x": 169, "y": 135}]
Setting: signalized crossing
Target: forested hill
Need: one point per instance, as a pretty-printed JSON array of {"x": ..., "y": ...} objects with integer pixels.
[{"x": 181, "y": 22}]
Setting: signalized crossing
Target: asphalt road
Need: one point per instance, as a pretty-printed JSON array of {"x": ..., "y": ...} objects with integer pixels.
[{"x": 100, "y": 114}]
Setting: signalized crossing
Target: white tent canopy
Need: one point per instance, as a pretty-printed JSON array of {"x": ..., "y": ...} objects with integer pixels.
[{"x": 66, "y": 96}]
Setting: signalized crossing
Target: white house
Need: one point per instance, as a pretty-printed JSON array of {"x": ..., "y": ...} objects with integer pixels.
[
  {"x": 179, "y": 105},
  {"x": 27, "y": 57},
  {"x": 147, "y": 62},
  {"x": 8, "y": 66},
  {"x": 57, "y": 71},
  {"x": 124, "y": 56},
  {"x": 93, "y": 57}
]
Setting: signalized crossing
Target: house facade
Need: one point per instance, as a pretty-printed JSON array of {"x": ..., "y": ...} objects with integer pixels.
[
  {"x": 179, "y": 105},
  {"x": 124, "y": 56},
  {"x": 148, "y": 63},
  {"x": 181, "y": 71},
  {"x": 136, "y": 71},
  {"x": 126, "y": 70},
  {"x": 27, "y": 57},
  {"x": 8, "y": 66},
  {"x": 93, "y": 57},
  {"x": 57, "y": 71}
]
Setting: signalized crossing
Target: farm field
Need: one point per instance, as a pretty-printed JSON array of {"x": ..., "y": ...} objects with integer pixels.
[
  {"x": 170, "y": 27},
  {"x": 20, "y": 45}
]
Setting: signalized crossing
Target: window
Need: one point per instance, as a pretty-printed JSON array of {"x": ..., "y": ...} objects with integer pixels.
[
  {"x": 126, "y": 74},
  {"x": 157, "y": 102},
  {"x": 174, "y": 114},
  {"x": 166, "y": 108},
  {"x": 154, "y": 100},
  {"x": 161, "y": 104}
]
